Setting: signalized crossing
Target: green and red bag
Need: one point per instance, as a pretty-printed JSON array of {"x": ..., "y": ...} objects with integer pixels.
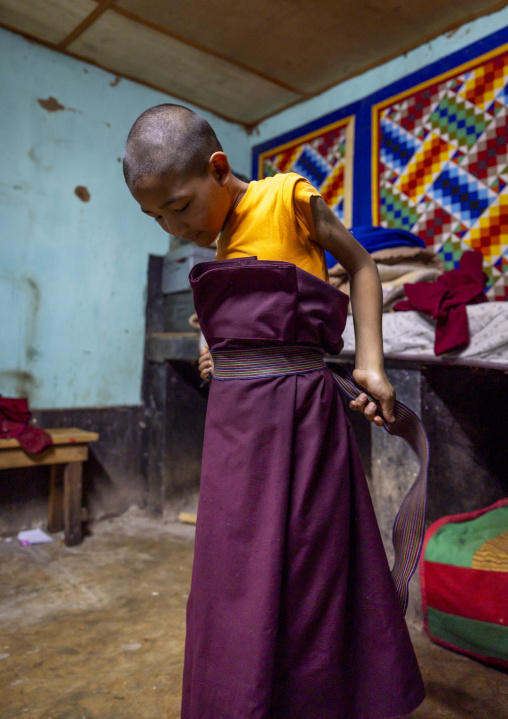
[{"x": 464, "y": 583}]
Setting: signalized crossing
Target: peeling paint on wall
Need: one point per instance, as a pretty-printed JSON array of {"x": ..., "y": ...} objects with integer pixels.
[
  {"x": 82, "y": 192},
  {"x": 51, "y": 104},
  {"x": 116, "y": 81}
]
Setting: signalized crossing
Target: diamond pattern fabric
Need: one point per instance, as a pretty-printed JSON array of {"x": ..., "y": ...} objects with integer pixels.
[
  {"x": 442, "y": 165},
  {"x": 320, "y": 157}
]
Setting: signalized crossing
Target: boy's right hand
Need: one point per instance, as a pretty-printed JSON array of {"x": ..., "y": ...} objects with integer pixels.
[
  {"x": 379, "y": 386},
  {"x": 205, "y": 364}
]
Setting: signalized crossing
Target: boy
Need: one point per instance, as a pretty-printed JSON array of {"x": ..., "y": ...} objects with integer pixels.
[
  {"x": 186, "y": 184},
  {"x": 292, "y": 613}
]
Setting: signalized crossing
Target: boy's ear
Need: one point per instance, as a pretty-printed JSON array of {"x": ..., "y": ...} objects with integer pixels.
[{"x": 219, "y": 167}]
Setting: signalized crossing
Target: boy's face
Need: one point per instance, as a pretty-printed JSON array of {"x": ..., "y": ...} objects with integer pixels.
[{"x": 194, "y": 208}]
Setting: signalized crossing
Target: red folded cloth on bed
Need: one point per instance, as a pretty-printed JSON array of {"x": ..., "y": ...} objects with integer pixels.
[
  {"x": 14, "y": 416},
  {"x": 445, "y": 301}
]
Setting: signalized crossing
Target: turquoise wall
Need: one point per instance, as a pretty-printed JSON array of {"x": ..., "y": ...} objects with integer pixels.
[{"x": 73, "y": 272}]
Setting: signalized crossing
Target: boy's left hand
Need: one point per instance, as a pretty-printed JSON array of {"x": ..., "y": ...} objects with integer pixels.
[
  {"x": 205, "y": 364},
  {"x": 378, "y": 385}
]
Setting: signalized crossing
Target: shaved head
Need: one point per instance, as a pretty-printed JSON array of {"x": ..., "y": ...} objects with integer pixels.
[{"x": 168, "y": 139}]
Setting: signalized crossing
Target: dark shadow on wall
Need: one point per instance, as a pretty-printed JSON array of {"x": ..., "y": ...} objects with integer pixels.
[{"x": 464, "y": 412}]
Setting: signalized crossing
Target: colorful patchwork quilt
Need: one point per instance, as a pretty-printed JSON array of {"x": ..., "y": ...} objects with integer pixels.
[
  {"x": 441, "y": 165},
  {"x": 320, "y": 157}
]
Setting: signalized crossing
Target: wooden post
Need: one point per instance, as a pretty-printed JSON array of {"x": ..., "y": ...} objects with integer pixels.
[
  {"x": 56, "y": 496},
  {"x": 73, "y": 474}
]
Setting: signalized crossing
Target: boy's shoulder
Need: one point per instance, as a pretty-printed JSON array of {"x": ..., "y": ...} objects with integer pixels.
[
  {"x": 281, "y": 183},
  {"x": 280, "y": 179}
]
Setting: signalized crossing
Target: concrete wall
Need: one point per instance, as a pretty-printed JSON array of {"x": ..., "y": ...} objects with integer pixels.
[{"x": 73, "y": 262}]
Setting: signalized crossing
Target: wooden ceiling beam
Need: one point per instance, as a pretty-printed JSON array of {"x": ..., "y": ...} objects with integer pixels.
[{"x": 101, "y": 8}]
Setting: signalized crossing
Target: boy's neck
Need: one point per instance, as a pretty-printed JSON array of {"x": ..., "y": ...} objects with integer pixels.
[{"x": 237, "y": 189}]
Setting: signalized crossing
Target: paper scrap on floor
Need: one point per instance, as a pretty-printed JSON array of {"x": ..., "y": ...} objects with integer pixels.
[{"x": 33, "y": 536}]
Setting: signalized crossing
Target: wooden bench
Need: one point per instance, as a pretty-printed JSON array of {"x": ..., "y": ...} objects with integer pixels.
[{"x": 66, "y": 456}]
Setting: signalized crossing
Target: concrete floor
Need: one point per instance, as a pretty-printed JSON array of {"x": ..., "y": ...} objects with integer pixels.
[{"x": 97, "y": 631}]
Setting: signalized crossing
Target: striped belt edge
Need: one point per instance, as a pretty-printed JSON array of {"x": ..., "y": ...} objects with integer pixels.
[{"x": 409, "y": 525}]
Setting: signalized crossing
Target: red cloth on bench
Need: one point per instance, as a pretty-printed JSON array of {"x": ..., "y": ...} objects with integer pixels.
[
  {"x": 14, "y": 418},
  {"x": 445, "y": 300}
]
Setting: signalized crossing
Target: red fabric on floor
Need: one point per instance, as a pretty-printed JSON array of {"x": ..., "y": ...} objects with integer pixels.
[{"x": 445, "y": 300}]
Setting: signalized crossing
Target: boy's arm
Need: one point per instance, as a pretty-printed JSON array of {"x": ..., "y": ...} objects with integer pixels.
[{"x": 366, "y": 301}]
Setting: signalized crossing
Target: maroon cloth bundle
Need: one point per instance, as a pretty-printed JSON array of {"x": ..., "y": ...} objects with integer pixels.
[
  {"x": 445, "y": 300},
  {"x": 14, "y": 418}
]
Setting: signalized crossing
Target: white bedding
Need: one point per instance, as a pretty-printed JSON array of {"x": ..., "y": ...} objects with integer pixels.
[{"x": 410, "y": 335}]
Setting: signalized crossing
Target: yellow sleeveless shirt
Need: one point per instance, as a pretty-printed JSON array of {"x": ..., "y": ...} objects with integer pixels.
[{"x": 273, "y": 221}]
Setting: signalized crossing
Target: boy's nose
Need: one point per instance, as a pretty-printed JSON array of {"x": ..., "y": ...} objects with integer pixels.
[{"x": 176, "y": 227}]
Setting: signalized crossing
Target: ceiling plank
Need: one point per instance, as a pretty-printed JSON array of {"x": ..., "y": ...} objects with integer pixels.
[
  {"x": 45, "y": 20},
  {"x": 80, "y": 29},
  {"x": 215, "y": 53},
  {"x": 309, "y": 45},
  {"x": 403, "y": 50},
  {"x": 131, "y": 49}
]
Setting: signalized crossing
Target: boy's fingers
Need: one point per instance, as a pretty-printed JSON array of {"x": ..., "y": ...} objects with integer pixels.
[
  {"x": 387, "y": 408},
  {"x": 359, "y": 402},
  {"x": 370, "y": 411}
]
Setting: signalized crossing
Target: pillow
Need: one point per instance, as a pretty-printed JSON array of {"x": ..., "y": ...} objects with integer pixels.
[{"x": 464, "y": 583}]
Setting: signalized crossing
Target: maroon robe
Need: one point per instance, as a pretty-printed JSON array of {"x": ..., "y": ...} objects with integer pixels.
[{"x": 292, "y": 612}]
